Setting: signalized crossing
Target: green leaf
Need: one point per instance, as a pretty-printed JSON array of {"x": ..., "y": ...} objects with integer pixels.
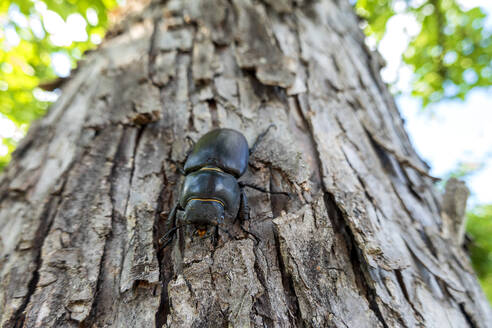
[
  {"x": 27, "y": 63},
  {"x": 450, "y": 56},
  {"x": 376, "y": 13},
  {"x": 479, "y": 227}
]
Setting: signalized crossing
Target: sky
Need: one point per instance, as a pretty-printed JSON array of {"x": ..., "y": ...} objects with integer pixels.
[{"x": 445, "y": 134}]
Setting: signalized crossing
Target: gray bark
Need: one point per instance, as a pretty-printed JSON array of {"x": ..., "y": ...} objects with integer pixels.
[{"x": 360, "y": 243}]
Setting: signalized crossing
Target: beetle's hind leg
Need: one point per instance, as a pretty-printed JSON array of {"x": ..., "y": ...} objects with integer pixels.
[
  {"x": 170, "y": 228},
  {"x": 243, "y": 207},
  {"x": 255, "y": 187},
  {"x": 259, "y": 138},
  {"x": 244, "y": 215}
]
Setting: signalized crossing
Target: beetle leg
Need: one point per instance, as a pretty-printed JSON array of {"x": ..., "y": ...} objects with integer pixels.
[
  {"x": 244, "y": 215},
  {"x": 179, "y": 166},
  {"x": 243, "y": 184},
  {"x": 171, "y": 219},
  {"x": 215, "y": 236},
  {"x": 259, "y": 138},
  {"x": 243, "y": 207},
  {"x": 170, "y": 227}
]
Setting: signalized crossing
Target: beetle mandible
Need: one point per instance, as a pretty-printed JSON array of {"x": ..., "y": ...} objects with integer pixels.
[{"x": 211, "y": 192}]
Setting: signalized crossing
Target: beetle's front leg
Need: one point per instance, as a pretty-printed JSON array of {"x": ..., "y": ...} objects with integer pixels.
[{"x": 170, "y": 227}]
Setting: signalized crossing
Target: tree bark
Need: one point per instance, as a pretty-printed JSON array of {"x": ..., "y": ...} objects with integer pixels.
[{"x": 361, "y": 242}]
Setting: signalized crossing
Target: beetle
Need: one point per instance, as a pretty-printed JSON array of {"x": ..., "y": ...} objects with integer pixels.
[{"x": 211, "y": 194}]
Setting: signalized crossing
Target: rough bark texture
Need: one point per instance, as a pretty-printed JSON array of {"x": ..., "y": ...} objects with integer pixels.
[{"x": 360, "y": 243}]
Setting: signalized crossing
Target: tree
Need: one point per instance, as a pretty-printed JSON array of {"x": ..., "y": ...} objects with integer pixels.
[
  {"x": 360, "y": 242},
  {"x": 29, "y": 42},
  {"x": 449, "y": 53}
]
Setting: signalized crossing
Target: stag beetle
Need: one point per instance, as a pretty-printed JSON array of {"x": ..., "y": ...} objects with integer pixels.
[{"x": 211, "y": 192}]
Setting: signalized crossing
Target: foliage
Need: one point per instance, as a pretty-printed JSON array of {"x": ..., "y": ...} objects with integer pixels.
[
  {"x": 10, "y": 144},
  {"x": 479, "y": 227},
  {"x": 451, "y": 54},
  {"x": 30, "y": 37}
]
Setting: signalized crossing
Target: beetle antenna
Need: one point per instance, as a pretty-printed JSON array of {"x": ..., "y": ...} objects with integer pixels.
[
  {"x": 172, "y": 231},
  {"x": 161, "y": 240},
  {"x": 225, "y": 230}
]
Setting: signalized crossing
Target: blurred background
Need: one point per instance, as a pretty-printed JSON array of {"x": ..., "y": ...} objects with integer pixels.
[{"x": 438, "y": 57}]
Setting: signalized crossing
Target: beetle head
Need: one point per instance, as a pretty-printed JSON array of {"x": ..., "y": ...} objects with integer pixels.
[{"x": 202, "y": 213}]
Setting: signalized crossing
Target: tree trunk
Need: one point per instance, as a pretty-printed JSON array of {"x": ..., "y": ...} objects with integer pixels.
[{"x": 361, "y": 241}]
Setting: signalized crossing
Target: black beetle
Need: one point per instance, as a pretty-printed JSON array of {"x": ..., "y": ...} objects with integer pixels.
[{"x": 211, "y": 192}]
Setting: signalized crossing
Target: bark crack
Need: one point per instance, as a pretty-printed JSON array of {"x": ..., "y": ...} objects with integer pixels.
[
  {"x": 288, "y": 284},
  {"x": 165, "y": 262},
  {"x": 163, "y": 257},
  {"x": 212, "y": 107},
  {"x": 403, "y": 287},
  {"x": 337, "y": 217},
  {"x": 360, "y": 271},
  {"x": 152, "y": 53},
  {"x": 46, "y": 222},
  {"x": 263, "y": 306},
  {"x": 92, "y": 317},
  {"x": 468, "y": 318}
]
